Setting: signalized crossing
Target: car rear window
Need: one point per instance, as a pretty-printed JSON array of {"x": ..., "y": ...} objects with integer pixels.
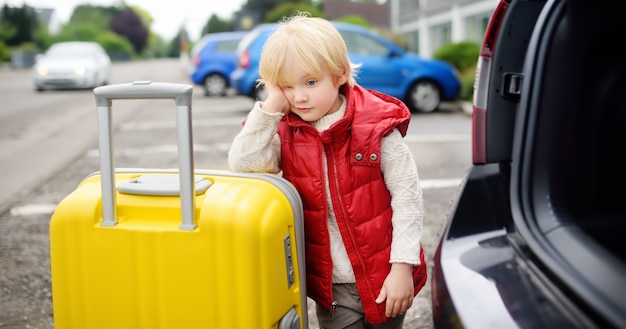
[{"x": 227, "y": 46}]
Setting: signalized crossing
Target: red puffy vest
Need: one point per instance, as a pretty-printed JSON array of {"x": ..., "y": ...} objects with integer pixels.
[{"x": 359, "y": 196}]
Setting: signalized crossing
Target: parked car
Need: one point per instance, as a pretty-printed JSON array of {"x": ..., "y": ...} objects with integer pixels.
[
  {"x": 214, "y": 58},
  {"x": 72, "y": 65},
  {"x": 535, "y": 236},
  {"x": 421, "y": 83}
]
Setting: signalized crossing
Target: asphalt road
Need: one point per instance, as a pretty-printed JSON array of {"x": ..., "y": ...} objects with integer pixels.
[{"x": 48, "y": 144}]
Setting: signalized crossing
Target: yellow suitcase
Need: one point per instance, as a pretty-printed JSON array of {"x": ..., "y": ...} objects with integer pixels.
[{"x": 137, "y": 248}]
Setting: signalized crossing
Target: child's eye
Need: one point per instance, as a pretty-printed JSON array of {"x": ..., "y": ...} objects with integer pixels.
[{"x": 311, "y": 83}]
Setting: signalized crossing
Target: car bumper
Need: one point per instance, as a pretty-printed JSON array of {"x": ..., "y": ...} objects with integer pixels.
[
  {"x": 196, "y": 77},
  {"x": 483, "y": 276},
  {"x": 64, "y": 82},
  {"x": 472, "y": 298},
  {"x": 242, "y": 83}
]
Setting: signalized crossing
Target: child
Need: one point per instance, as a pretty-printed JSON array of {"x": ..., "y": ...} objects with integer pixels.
[{"x": 341, "y": 146}]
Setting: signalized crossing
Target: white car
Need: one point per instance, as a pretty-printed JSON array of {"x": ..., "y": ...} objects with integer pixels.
[{"x": 72, "y": 65}]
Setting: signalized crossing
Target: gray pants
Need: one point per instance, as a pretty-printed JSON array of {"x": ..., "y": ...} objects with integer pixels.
[{"x": 349, "y": 313}]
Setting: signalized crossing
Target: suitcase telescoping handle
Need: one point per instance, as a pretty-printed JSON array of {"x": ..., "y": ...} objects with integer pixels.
[{"x": 181, "y": 94}]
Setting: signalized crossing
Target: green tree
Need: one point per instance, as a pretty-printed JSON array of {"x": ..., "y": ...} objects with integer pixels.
[
  {"x": 43, "y": 40},
  {"x": 81, "y": 31},
  {"x": 99, "y": 16},
  {"x": 5, "y": 53},
  {"x": 263, "y": 7},
  {"x": 117, "y": 46},
  {"x": 289, "y": 8},
  {"x": 216, "y": 24},
  {"x": 157, "y": 47},
  {"x": 174, "y": 46},
  {"x": 86, "y": 23},
  {"x": 129, "y": 25},
  {"x": 20, "y": 23},
  {"x": 145, "y": 16},
  {"x": 8, "y": 29},
  {"x": 95, "y": 23}
]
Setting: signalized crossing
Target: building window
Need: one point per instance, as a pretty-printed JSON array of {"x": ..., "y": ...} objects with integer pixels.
[
  {"x": 413, "y": 41},
  {"x": 408, "y": 5},
  {"x": 476, "y": 27},
  {"x": 440, "y": 35}
]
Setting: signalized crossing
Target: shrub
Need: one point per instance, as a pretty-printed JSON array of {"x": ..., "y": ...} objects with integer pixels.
[
  {"x": 5, "y": 53},
  {"x": 467, "y": 83},
  {"x": 462, "y": 55},
  {"x": 117, "y": 46},
  {"x": 114, "y": 42}
]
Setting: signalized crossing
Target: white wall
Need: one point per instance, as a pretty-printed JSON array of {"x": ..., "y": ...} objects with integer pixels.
[{"x": 428, "y": 23}]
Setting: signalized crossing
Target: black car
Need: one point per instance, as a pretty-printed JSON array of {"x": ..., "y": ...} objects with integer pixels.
[{"x": 534, "y": 237}]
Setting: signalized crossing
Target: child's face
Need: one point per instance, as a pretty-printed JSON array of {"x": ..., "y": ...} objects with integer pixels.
[{"x": 310, "y": 98}]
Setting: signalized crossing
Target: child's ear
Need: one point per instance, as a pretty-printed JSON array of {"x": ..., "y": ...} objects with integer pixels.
[{"x": 342, "y": 79}]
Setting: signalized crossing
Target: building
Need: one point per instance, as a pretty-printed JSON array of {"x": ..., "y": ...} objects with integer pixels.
[
  {"x": 376, "y": 14},
  {"x": 429, "y": 24}
]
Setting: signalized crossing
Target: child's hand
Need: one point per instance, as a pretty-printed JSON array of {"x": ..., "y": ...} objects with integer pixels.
[
  {"x": 397, "y": 289},
  {"x": 276, "y": 100}
]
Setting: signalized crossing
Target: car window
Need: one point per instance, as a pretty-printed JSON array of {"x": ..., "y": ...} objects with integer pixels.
[
  {"x": 361, "y": 44},
  {"x": 226, "y": 46},
  {"x": 249, "y": 39},
  {"x": 200, "y": 44},
  {"x": 70, "y": 52}
]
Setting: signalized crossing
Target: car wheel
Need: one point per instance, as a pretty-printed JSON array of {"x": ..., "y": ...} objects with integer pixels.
[
  {"x": 215, "y": 85},
  {"x": 260, "y": 93},
  {"x": 424, "y": 96}
]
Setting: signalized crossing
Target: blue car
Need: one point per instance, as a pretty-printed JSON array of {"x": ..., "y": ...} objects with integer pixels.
[
  {"x": 214, "y": 58},
  {"x": 421, "y": 83}
]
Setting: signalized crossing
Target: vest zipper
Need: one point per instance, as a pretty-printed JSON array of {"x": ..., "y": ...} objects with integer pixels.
[{"x": 342, "y": 215}]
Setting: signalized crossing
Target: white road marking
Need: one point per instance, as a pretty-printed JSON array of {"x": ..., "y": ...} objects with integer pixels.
[
  {"x": 440, "y": 183},
  {"x": 33, "y": 209}
]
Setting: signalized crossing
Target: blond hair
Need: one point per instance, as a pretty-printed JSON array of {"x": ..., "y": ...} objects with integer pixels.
[{"x": 315, "y": 45}]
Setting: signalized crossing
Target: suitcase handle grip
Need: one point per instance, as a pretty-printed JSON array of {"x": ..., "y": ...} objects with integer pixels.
[
  {"x": 144, "y": 90},
  {"x": 181, "y": 94}
]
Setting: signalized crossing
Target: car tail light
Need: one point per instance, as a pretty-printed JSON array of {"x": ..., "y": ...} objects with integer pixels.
[
  {"x": 481, "y": 85},
  {"x": 244, "y": 59}
]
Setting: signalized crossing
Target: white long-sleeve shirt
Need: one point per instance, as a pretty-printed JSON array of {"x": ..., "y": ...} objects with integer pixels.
[{"x": 257, "y": 149}]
